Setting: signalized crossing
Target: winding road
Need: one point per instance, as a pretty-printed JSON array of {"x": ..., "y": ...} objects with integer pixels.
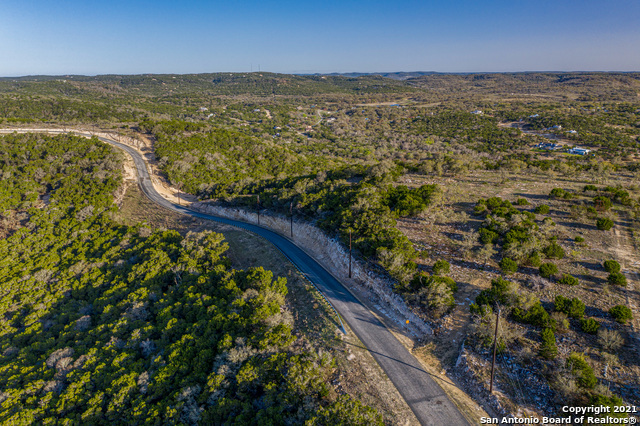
[{"x": 425, "y": 397}]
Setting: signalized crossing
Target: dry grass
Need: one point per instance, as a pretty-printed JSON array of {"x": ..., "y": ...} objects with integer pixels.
[{"x": 444, "y": 233}]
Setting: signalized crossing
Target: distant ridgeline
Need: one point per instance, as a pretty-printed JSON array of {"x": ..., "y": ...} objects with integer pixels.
[{"x": 104, "y": 323}]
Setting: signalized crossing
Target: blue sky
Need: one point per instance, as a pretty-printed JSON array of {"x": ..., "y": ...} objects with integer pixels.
[{"x": 133, "y": 37}]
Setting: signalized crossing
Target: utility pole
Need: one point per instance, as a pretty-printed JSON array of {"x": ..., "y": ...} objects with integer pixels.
[
  {"x": 349, "y": 252},
  {"x": 291, "y": 216},
  {"x": 258, "y": 210},
  {"x": 495, "y": 347}
]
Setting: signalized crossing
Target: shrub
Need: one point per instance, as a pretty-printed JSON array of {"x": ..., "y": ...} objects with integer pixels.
[
  {"x": 522, "y": 202},
  {"x": 619, "y": 195},
  {"x": 435, "y": 292},
  {"x": 516, "y": 236},
  {"x": 561, "y": 321},
  {"x": 579, "y": 239},
  {"x": 589, "y": 188},
  {"x": 579, "y": 366},
  {"x": 572, "y": 307},
  {"x": 420, "y": 280},
  {"x": 548, "y": 349},
  {"x": 500, "y": 292},
  {"x": 484, "y": 330},
  {"x": 542, "y": 209},
  {"x": 480, "y": 208},
  {"x": 534, "y": 259},
  {"x": 621, "y": 313},
  {"x": 441, "y": 267},
  {"x": 557, "y": 193},
  {"x": 547, "y": 270},
  {"x": 438, "y": 297},
  {"x": 554, "y": 251},
  {"x": 446, "y": 280},
  {"x": 508, "y": 266},
  {"x": 612, "y": 401},
  {"x": 604, "y": 224},
  {"x": 589, "y": 325},
  {"x": 611, "y": 266},
  {"x": 536, "y": 315},
  {"x": 602, "y": 203},
  {"x": 497, "y": 202},
  {"x": 487, "y": 236},
  {"x": 610, "y": 340},
  {"x": 481, "y": 310},
  {"x": 344, "y": 410},
  {"x": 617, "y": 278},
  {"x": 568, "y": 280}
]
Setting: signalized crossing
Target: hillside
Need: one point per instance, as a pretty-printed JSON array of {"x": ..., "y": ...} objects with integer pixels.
[
  {"x": 461, "y": 193},
  {"x": 109, "y": 323}
]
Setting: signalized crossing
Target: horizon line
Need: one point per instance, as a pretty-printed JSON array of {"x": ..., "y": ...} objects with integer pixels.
[{"x": 333, "y": 73}]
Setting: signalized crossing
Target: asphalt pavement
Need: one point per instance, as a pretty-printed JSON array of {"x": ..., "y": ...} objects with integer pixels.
[{"x": 424, "y": 396}]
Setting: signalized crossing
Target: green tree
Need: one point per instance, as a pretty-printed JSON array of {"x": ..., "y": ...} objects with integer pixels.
[
  {"x": 611, "y": 266},
  {"x": 598, "y": 400},
  {"x": 589, "y": 325},
  {"x": 535, "y": 315},
  {"x": 574, "y": 308},
  {"x": 568, "y": 279},
  {"x": 617, "y": 278},
  {"x": 534, "y": 259},
  {"x": 602, "y": 203},
  {"x": 548, "y": 348},
  {"x": 542, "y": 209},
  {"x": 487, "y": 236},
  {"x": 604, "y": 224},
  {"x": 554, "y": 251},
  {"x": 547, "y": 270},
  {"x": 508, "y": 266},
  {"x": 441, "y": 267},
  {"x": 584, "y": 373},
  {"x": 621, "y": 313}
]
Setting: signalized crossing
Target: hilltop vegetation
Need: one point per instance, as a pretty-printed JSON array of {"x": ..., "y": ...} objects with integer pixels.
[
  {"x": 449, "y": 184},
  {"x": 106, "y": 323}
]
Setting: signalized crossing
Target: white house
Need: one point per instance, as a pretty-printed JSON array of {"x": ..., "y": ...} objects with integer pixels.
[{"x": 579, "y": 151}]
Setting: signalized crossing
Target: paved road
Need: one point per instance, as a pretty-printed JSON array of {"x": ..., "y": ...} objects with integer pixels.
[{"x": 424, "y": 396}]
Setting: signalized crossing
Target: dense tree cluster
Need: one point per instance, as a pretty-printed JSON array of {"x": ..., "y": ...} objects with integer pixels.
[
  {"x": 33, "y": 166},
  {"x": 517, "y": 233},
  {"x": 220, "y": 162},
  {"x": 105, "y": 323}
]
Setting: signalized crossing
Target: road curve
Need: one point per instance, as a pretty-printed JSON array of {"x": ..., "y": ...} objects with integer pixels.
[{"x": 425, "y": 397}]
